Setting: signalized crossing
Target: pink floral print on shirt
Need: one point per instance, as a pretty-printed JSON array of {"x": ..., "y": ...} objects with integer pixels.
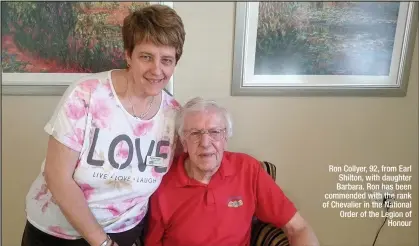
[
  {"x": 87, "y": 190},
  {"x": 75, "y": 109},
  {"x": 113, "y": 210},
  {"x": 76, "y": 138},
  {"x": 164, "y": 149},
  {"x": 77, "y": 163},
  {"x": 172, "y": 103},
  {"x": 89, "y": 85},
  {"x": 120, "y": 228},
  {"x": 156, "y": 174},
  {"x": 133, "y": 201},
  {"x": 140, "y": 216},
  {"x": 58, "y": 232},
  {"x": 42, "y": 192},
  {"x": 45, "y": 206},
  {"x": 86, "y": 89},
  {"x": 100, "y": 112},
  {"x": 123, "y": 150},
  {"x": 142, "y": 128}
]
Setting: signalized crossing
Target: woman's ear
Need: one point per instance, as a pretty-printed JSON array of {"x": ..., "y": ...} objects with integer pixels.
[{"x": 128, "y": 58}]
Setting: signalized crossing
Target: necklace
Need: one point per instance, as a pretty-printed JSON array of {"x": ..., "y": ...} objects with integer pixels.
[{"x": 142, "y": 115}]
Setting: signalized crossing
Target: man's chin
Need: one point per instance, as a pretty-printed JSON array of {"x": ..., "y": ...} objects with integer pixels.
[{"x": 208, "y": 167}]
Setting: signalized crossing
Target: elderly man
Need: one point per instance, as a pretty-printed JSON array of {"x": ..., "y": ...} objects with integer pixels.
[{"x": 210, "y": 195}]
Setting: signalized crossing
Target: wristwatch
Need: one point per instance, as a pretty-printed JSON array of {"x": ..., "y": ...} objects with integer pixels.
[{"x": 108, "y": 241}]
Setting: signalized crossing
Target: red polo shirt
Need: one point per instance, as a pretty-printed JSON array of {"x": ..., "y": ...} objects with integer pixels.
[{"x": 184, "y": 212}]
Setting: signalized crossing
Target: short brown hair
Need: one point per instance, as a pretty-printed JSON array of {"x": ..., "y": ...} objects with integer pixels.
[{"x": 156, "y": 23}]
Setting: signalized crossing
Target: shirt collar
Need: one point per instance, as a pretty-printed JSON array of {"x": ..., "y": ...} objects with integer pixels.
[{"x": 226, "y": 169}]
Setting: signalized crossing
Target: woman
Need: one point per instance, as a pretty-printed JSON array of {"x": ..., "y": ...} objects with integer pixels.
[{"x": 112, "y": 138}]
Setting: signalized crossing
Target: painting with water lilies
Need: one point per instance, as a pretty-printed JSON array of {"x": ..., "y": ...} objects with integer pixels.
[{"x": 323, "y": 48}]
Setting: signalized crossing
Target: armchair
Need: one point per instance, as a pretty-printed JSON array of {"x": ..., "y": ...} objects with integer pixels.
[{"x": 264, "y": 234}]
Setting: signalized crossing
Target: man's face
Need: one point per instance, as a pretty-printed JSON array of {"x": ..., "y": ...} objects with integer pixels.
[
  {"x": 152, "y": 66},
  {"x": 205, "y": 150}
]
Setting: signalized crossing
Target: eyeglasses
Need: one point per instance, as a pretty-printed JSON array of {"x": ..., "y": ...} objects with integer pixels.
[{"x": 214, "y": 134}]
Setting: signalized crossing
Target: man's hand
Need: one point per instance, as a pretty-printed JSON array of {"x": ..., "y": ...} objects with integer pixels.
[{"x": 299, "y": 232}]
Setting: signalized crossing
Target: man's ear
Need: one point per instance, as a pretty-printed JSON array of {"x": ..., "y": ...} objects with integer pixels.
[
  {"x": 225, "y": 144},
  {"x": 185, "y": 146}
]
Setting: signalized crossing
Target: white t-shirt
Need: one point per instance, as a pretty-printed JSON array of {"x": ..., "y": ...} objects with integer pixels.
[{"x": 112, "y": 168}]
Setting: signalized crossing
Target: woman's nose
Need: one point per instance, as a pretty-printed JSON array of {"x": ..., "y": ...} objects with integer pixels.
[{"x": 156, "y": 68}]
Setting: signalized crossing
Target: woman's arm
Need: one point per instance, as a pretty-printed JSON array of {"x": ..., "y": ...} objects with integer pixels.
[{"x": 59, "y": 168}]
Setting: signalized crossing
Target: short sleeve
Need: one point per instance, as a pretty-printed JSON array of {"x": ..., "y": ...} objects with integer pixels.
[
  {"x": 272, "y": 205},
  {"x": 68, "y": 122}
]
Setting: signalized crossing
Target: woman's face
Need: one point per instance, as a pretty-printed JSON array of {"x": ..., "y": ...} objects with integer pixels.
[{"x": 151, "y": 66}]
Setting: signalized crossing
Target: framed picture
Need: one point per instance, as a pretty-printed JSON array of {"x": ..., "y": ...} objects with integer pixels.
[
  {"x": 48, "y": 45},
  {"x": 323, "y": 48}
]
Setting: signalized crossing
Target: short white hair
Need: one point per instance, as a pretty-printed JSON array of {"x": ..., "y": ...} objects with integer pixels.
[{"x": 199, "y": 104}]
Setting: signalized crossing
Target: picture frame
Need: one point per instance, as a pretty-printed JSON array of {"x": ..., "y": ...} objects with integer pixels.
[
  {"x": 50, "y": 83},
  {"x": 265, "y": 66}
]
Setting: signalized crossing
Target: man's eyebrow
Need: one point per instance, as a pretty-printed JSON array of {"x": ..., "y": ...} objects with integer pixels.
[
  {"x": 209, "y": 129},
  {"x": 192, "y": 129}
]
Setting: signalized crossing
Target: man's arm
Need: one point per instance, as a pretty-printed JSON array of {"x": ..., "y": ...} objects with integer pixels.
[
  {"x": 299, "y": 232},
  {"x": 272, "y": 206},
  {"x": 155, "y": 228}
]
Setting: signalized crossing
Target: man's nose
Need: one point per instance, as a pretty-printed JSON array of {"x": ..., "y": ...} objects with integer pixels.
[{"x": 205, "y": 140}]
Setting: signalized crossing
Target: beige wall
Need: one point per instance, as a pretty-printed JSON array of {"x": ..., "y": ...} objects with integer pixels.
[{"x": 302, "y": 136}]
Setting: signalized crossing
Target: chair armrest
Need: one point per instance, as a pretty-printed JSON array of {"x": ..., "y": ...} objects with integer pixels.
[
  {"x": 264, "y": 234},
  {"x": 139, "y": 242},
  {"x": 269, "y": 168}
]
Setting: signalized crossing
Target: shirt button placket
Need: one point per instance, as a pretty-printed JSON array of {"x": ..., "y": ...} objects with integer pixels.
[{"x": 210, "y": 198}]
